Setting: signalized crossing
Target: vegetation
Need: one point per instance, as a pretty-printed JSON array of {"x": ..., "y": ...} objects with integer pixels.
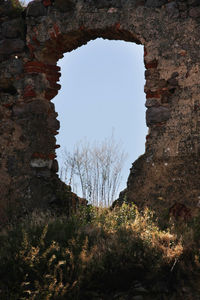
[
  {"x": 99, "y": 254},
  {"x": 94, "y": 170}
]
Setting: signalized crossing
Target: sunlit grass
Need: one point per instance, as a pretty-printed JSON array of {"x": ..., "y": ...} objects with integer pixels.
[{"x": 97, "y": 251}]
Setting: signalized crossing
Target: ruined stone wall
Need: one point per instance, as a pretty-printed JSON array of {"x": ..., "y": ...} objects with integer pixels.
[{"x": 32, "y": 41}]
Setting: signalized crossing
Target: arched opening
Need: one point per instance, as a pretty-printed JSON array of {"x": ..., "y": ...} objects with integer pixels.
[
  {"x": 29, "y": 81},
  {"x": 47, "y": 41},
  {"x": 103, "y": 89}
]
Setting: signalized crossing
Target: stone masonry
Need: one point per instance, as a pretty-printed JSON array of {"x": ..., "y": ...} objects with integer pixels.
[{"x": 31, "y": 42}]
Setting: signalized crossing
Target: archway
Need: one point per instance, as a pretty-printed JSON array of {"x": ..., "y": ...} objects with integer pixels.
[{"x": 101, "y": 94}]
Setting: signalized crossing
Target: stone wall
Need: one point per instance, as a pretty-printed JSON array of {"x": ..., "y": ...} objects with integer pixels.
[{"x": 32, "y": 41}]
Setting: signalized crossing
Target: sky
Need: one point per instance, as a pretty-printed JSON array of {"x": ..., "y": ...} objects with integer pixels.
[{"x": 103, "y": 91}]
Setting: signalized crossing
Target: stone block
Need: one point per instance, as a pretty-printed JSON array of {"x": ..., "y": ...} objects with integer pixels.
[
  {"x": 47, "y": 3},
  {"x": 41, "y": 163},
  {"x": 157, "y": 115},
  {"x": 154, "y": 94},
  {"x": 43, "y": 172},
  {"x": 151, "y": 102},
  {"x": 50, "y": 93},
  {"x": 8, "y": 46},
  {"x": 12, "y": 66},
  {"x": 193, "y": 2},
  {"x": 53, "y": 124},
  {"x": 151, "y": 64},
  {"x": 13, "y": 29},
  {"x": 64, "y": 5},
  {"x": 55, "y": 166},
  {"x": 155, "y": 3},
  {"x": 29, "y": 92},
  {"x": 172, "y": 9},
  {"x": 35, "y": 9},
  {"x": 182, "y": 6},
  {"x": 7, "y": 99},
  {"x": 194, "y": 12},
  {"x": 13, "y": 166}
]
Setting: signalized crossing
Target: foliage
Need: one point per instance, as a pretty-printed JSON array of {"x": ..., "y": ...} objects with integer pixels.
[{"x": 96, "y": 250}]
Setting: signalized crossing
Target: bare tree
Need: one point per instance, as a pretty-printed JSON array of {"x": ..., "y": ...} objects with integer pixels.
[{"x": 95, "y": 170}]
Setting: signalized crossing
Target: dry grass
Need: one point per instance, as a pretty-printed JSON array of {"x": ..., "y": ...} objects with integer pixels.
[{"x": 99, "y": 250}]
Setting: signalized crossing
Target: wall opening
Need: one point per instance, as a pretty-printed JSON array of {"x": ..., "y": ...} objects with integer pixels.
[{"x": 103, "y": 91}]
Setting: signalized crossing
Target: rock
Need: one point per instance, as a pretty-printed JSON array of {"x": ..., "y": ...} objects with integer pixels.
[
  {"x": 13, "y": 29},
  {"x": 193, "y": 2},
  {"x": 35, "y": 9},
  {"x": 171, "y": 5},
  {"x": 151, "y": 102},
  {"x": 64, "y": 5},
  {"x": 8, "y": 47},
  {"x": 155, "y": 3},
  {"x": 43, "y": 172},
  {"x": 175, "y": 74},
  {"x": 194, "y": 12},
  {"x": 12, "y": 166},
  {"x": 55, "y": 166},
  {"x": 53, "y": 124},
  {"x": 14, "y": 66},
  {"x": 41, "y": 163},
  {"x": 182, "y": 6},
  {"x": 5, "y": 83},
  {"x": 173, "y": 82},
  {"x": 172, "y": 9},
  {"x": 157, "y": 115},
  {"x": 7, "y": 99}
]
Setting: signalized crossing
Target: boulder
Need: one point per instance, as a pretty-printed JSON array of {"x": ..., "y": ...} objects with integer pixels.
[
  {"x": 13, "y": 28},
  {"x": 157, "y": 115},
  {"x": 8, "y": 47},
  {"x": 35, "y": 9}
]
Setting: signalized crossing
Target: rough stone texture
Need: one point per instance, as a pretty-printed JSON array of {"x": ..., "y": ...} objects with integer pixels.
[
  {"x": 169, "y": 171},
  {"x": 157, "y": 114}
]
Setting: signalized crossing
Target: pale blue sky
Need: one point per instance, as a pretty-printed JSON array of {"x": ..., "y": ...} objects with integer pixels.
[{"x": 103, "y": 88}]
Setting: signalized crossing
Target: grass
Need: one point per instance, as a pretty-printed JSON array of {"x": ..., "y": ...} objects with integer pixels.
[{"x": 99, "y": 254}]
